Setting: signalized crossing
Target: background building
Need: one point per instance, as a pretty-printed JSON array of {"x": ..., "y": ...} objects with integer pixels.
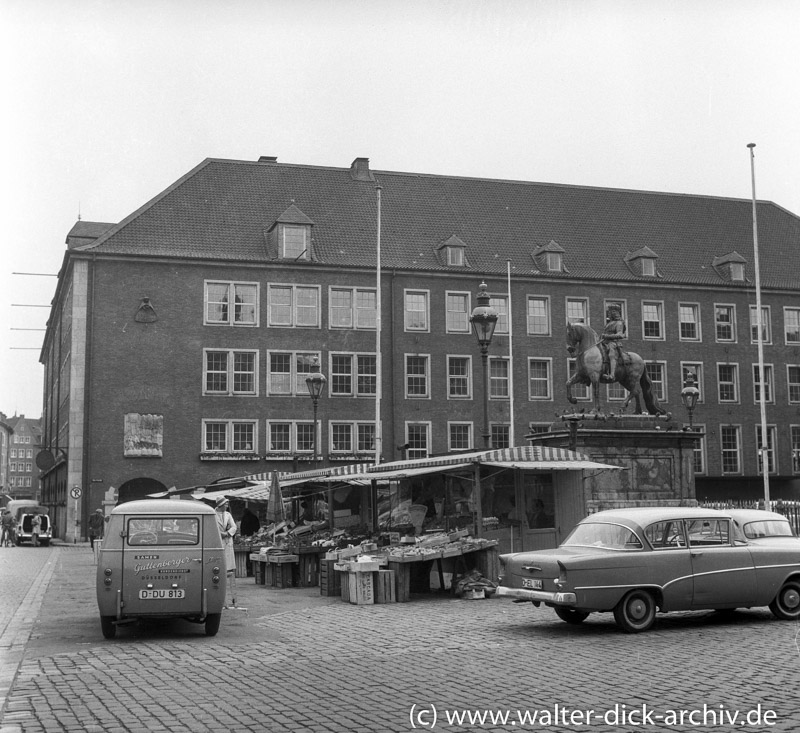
[
  {"x": 22, "y": 440},
  {"x": 180, "y": 339}
]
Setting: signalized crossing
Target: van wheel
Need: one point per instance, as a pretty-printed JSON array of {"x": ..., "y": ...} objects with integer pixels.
[
  {"x": 44, "y": 543},
  {"x": 786, "y": 604},
  {"x": 570, "y": 615},
  {"x": 635, "y": 612},
  {"x": 212, "y": 623},
  {"x": 108, "y": 626}
]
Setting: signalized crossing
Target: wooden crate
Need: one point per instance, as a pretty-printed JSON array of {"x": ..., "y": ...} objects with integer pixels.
[
  {"x": 384, "y": 581},
  {"x": 361, "y": 588},
  {"x": 259, "y": 568},
  {"x": 309, "y": 567},
  {"x": 330, "y": 581}
]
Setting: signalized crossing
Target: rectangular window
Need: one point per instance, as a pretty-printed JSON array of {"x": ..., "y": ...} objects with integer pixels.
[
  {"x": 539, "y": 379},
  {"x": 352, "y": 437},
  {"x": 768, "y": 383},
  {"x": 220, "y": 295},
  {"x": 657, "y": 371},
  {"x": 689, "y": 321},
  {"x": 791, "y": 325},
  {"x": 230, "y": 436},
  {"x": 615, "y": 392},
  {"x": 699, "y": 452},
  {"x": 729, "y": 442},
  {"x": 459, "y": 382},
  {"x": 728, "y": 382},
  {"x": 353, "y": 308},
  {"x": 769, "y": 449},
  {"x": 500, "y": 304},
  {"x": 793, "y": 382},
  {"x": 455, "y": 256},
  {"x": 766, "y": 329},
  {"x": 293, "y": 242},
  {"x": 353, "y": 375},
  {"x": 794, "y": 432},
  {"x": 290, "y": 436},
  {"x": 288, "y": 371},
  {"x": 230, "y": 372},
  {"x": 652, "y": 320},
  {"x": 416, "y": 310},
  {"x": 501, "y": 435},
  {"x": 578, "y": 310},
  {"x": 457, "y": 314},
  {"x": 538, "y": 316},
  {"x": 695, "y": 368},
  {"x": 418, "y": 440},
  {"x": 498, "y": 378},
  {"x": 725, "y": 322},
  {"x": 417, "y": 375},
  {"x": 459, "y": 436},
  {"x": 294, "y": 305},
  {"x": 581, "y": 392}
]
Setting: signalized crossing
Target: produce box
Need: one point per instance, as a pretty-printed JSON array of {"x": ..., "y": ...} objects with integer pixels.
[{"x": 279, "y": 559}]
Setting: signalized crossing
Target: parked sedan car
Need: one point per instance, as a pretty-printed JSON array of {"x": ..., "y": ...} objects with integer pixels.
[
  {"x": 635, "y": 562},
  {"x": 759, "y": 525}
]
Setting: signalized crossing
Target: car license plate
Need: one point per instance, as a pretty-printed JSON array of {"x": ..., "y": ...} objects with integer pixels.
[
  {"x": 161, "y": 594},
  {"x": 533, "y": 583}
]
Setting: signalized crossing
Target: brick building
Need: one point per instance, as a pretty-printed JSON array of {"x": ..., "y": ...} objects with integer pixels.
[
  {"x": 22, "y": 438},
  {"x": 179, "y": 339}
]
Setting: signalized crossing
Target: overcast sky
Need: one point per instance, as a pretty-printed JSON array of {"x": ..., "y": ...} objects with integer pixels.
[{"x": 107, "y": 102}]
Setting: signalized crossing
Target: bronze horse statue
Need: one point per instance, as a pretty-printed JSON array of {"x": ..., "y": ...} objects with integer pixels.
[{"x": 630, "y": 373}]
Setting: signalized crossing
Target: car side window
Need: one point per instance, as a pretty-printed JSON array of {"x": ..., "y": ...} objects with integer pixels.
[
  {"x": 666, "y": 535},
  {"x": 708, "y": 532}
]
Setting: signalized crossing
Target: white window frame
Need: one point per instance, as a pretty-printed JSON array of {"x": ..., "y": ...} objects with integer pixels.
[
  {"x": 583, "y": 303},
  {"x": 495, "y": 380},
  {"x": 230, "y": 374},
  {"x": 699, "y": 450},
  {"x": 295, "y": 254},
  {"x": 615, "y": 392},
  {"x": 695, "y": 310},
  {"x": 772, "y": 449},
  {"x": 794, "y": 444},
  {"x": 297, "y": 382},
  {"x": 789, "y": 313},
  {"x": 229, "y": 436},
  {"x": 529, "y": 316},
  {"x": 495, "y": 428},
  {"x": 230, "y": 319},
  {"x": 500, "y": 304},
  {"x": 769, "y": 373},
  {"x": 408, "y": 324},
  {"x": 470, "y": 435},
  {"x": 355, "y": 374},
  {"x": 355, "y": 437},
  {"x": 554, "y": 261},
  {"x": 659, "y": 306},
  {"x": 293, "y": 442},
  {"x": 717, "y": 323},
  {"x": 421, "y": 451},
  {"x": 451, "y": 377},
  {"x": 426, "y": 376},
  {"x": 548, "y": 379},
  {"x": 735, "y": 383},
  {"x": 660, "y": 386},
  {"x": 458, "y": 322},
  {"x": 792, "y": 386},
  {"x": 294, "y": 308},
  {"x": 738, "y": 450},
  {"x": 697, "y": 368},
  {"x": 766, "y": 323},
  {"x": 648, "y": 266},
  {"x": 355, "y": 316},
  {"x": 456, "y": 256}
]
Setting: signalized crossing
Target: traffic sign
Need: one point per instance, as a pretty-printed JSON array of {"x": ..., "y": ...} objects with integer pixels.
[{"x": 75, "y": 492}]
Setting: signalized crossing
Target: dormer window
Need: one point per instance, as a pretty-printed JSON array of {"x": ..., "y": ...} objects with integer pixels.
[
  {"x": 294, "y": 241},
  {"x": 455, "y": 256},
  {"x": 642, "y": 262},
  {"x": 648, "y": 266},
  {"x": 737, "y": 271},
  {"x": 730, "y": 267},
  {"x": 289, "y": 237},
  {"x": 452, "y": 252},
  {"x": 550, "y": 257},
  {"x": 554, "y": 261}
]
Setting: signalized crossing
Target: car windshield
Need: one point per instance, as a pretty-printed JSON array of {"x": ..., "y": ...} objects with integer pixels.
[
  {"x": 768, "y": 528},
  {"x": 609, "y": 536}
]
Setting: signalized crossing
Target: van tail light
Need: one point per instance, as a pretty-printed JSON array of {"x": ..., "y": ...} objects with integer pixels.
[{"x": 107, "y": 579}]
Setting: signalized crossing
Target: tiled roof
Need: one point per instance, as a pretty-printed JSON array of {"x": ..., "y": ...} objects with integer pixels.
[{"x": 222, "y": 210}]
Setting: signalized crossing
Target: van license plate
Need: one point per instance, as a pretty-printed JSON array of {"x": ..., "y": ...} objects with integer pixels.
[
  {"x": 533, "y": 583},
  {"x": 161, "y": 594}
]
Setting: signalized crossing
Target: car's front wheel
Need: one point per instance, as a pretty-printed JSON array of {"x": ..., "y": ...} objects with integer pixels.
[
  {"x": 786, "y": 604},
  {"x": 636, "y": 612},
  {"x": 571, "y": 615}
]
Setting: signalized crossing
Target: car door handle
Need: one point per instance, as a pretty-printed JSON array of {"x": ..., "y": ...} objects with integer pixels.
[
  {"x": 197, "y": 559},
  {"x": 696, "y": 553}
]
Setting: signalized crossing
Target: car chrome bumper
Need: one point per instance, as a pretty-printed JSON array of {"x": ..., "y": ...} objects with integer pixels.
[{"x": 537, "y": 595}]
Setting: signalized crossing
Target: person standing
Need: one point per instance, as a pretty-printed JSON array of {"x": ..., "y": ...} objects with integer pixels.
[
  {"x": 97, "y": 523},
  {"x": 36, "y": 527},
  {"x": 227, "y": 529},
  {"x": 8, "y": 524}
]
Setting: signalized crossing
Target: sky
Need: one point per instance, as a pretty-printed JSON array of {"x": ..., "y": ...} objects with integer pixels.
[{"x": 108, "y": 102}]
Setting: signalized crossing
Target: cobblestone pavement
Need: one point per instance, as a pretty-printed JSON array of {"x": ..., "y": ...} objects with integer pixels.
[{"x": 298, "y": 662}]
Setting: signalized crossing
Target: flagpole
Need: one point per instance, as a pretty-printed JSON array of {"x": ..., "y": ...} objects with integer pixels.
[
  {"x": 511, "y": 442},
  {"x": 378, "y": 364},
  {"x": 763, "y": 448}
]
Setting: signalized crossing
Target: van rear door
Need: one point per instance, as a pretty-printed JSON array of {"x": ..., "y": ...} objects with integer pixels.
[{"x": 162, "y": 565}]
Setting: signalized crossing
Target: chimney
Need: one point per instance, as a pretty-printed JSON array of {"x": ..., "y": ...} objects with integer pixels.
[
  {"x": 268, "y": 159},
  {"x": 359, "y": 170}
]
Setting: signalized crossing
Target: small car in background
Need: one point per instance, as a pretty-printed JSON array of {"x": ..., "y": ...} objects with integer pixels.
[
  {"x": 759, "y": 525},
  {"x": 24, "y": 531},
  {"x": 638, "y": 561}
]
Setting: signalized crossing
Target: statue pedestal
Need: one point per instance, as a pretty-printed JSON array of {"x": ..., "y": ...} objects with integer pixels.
[{"x": 655, "y": 451}]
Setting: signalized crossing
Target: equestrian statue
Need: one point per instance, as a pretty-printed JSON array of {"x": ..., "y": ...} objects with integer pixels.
[{"x": 603, "y": 361}]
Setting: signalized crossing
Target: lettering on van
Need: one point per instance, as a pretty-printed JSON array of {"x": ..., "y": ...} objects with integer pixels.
[
  {"x": 146, "y": 557},
  {"x": 177, "y": 562}
]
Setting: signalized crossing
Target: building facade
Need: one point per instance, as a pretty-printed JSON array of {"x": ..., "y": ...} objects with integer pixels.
[
  {"x": 180, "y": 339},
  {"x": 23, "y": 441}
]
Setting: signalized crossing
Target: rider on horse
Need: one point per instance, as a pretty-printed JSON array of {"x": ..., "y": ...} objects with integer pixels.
[{"x": 613, "y": 333}]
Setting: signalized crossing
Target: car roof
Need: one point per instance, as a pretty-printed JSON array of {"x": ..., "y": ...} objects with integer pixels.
[
  {"x": 163, "y": 506},
  {"x": 755, "y": 515},
  {"x": 642, "y": 516}
]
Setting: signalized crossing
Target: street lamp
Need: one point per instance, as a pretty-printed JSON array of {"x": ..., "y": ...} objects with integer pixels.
[
  {"x": 484, "y": 320},
  {"x": 316, "y": 385},
  {"x": 689, "y": 395}
]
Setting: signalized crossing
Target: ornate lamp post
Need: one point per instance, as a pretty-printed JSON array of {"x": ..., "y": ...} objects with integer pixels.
[
  {"x": 689, "y": 395},
  {"x": 484, "y": 320},
  {"x": 316, "y": 385}
]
